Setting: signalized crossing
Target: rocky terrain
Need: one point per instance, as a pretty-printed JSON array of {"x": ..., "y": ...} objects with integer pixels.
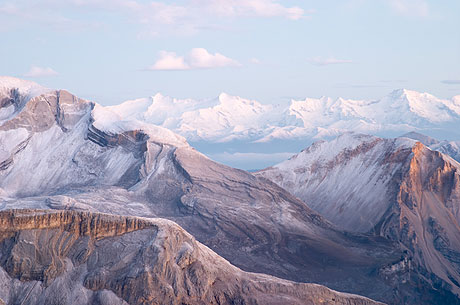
[
  {"x": 394, "y": 188},
  {"x": 67, "y": 257},
  {"x": 64, "y": 153}
]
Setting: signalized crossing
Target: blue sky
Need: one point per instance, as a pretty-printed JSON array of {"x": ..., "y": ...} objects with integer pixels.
[{"x": 113, "y": 50}]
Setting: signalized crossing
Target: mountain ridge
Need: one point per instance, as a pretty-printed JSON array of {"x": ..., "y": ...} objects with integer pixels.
[{"x": 396, "y": 188}]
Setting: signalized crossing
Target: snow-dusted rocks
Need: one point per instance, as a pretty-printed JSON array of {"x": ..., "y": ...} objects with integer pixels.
[{"x": 346, "y": 179}]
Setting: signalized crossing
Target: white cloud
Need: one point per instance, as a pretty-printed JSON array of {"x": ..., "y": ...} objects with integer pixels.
[
  {"x": 418, "y": 8},
  {"x": 197, "y": 58},
  {"x": 36, "y": 71},
  {"x": 320, "y": 61},
  {"x": 255, "y": 61},
  {"x": 170, "y": 61},
  {"x": 258, "y": 8},
  {"x": 180, "y": 17}
]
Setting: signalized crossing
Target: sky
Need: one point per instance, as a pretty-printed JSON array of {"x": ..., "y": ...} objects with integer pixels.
[{"x": 113, "y": 50}]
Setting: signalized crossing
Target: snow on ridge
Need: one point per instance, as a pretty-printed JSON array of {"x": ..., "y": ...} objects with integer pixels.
[
  {"x": 111, "y": 122},
  {"x": 27, "y": 88},
  {"x": 326, "y": 151}
]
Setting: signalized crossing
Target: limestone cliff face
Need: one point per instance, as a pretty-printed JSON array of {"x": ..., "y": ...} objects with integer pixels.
[
  {"x": 66, "y": 257},
  {"x": 425, "y": 218}
]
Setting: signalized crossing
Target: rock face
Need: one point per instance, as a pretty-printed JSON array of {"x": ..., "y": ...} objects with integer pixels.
[
  {"x": 61, "y": 152},
  {"x": 395, "y": 188},
  {"x": 67, "y": 257},
  {"x": 450, "y": 148}
]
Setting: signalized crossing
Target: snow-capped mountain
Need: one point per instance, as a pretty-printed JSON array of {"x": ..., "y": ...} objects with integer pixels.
[
  {"x": 246, "y": 128},
  {"x": 228, "y": 118},
  {"x": 223, "y": 119},
  {"x": 394, "y": 188}
]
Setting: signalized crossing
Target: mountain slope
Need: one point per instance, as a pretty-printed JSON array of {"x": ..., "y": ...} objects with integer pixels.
[
  {"x": 396, "y": 188},
  {"x": 65, "y": 257}
]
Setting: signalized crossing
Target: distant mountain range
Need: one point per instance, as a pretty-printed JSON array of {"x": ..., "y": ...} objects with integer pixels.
[
  {"x": 241, "y": 132},
  {"x": 230, "y": 128},
  {"x": 229, "y": 118}
]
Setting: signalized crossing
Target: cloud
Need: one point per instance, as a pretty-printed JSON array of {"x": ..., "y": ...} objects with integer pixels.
[
  {"x": 252, "y": 8},
  {"x": 36, "y": 71},
  {"x": 255, "y": 61},
  {"x": 417, "y": 8},
  {"x": 171, "y": 16},
  {"x": 320, "y": 61},
  {"x": 197, "y": 58},
  {"x": 451, "y": 81},
  {"x": 42, "y": 13}
]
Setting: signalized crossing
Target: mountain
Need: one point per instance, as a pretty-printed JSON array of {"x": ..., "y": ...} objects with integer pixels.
[
  {"x": 394, "y": 188},
  {"x": 68, "y": 257},
  {"x": 60, "y": 152},
  {"x": 228, "y": 118},
  {"x": 230, "y": 128}
]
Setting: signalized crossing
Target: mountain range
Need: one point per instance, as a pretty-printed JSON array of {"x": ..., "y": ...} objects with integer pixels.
[
  {"x": 228, "y": 125},
  {"x": 98, "y": 201}
]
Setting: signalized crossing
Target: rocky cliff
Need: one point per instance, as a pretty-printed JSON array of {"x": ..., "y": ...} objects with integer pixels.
[{"x": 66, "y": 257}]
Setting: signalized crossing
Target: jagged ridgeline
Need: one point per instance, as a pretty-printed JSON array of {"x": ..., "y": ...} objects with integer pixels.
[{"x": 59, "y": 152}]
